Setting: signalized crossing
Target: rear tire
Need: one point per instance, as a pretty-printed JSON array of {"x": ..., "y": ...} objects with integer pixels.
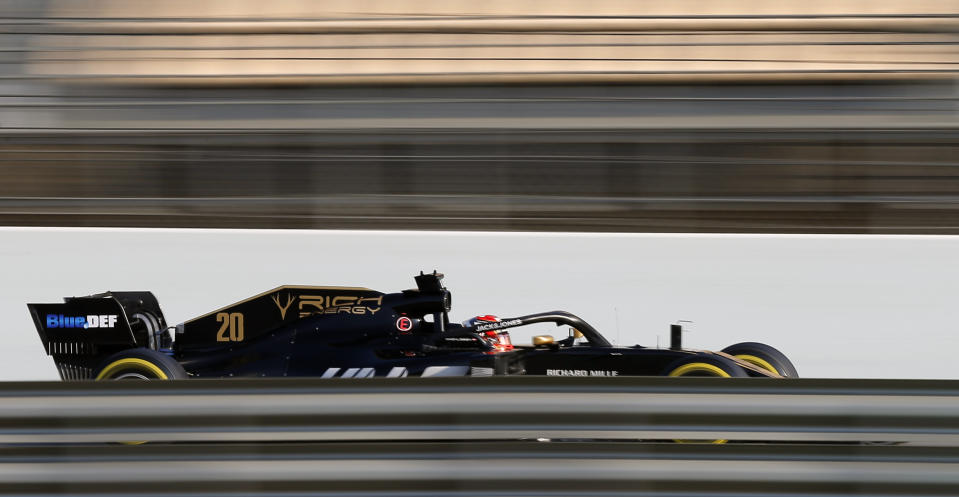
[
  {"x": 140, "y": 364},
  {"x": 763, "y": 356}
]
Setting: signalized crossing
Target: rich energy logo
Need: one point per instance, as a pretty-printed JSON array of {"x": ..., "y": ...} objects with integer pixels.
[
  {"x": 91, "y": 321},
  {"x": 339, "y": 304},
  {"x": 309, "y": 305},
  {"x": 282, "y": 307}
]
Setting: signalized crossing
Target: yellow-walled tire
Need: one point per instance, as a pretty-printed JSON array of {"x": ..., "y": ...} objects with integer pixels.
[
  {"x": 705, "y": 365},
  {"x": 764, "y": 356},
  {"x": 140, "y": 364}
]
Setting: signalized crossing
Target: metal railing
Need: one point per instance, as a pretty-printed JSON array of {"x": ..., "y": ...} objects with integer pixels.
[
  {"x": 480, "y": 468},
  {"x": 924, "y": 412},
  {"x": 529, "y": 436}
]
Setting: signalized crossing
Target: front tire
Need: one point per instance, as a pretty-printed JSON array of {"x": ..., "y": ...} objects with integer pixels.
[
  {"x": 140, "y": 364},
  {"x": 705, "y": 365},
  {"x": 764, "y": 356}
]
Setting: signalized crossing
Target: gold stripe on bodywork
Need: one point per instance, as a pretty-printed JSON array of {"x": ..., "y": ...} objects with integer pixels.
[{"x": 280, "y": 289}]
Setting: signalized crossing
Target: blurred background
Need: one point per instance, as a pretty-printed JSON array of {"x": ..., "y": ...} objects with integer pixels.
[
  {"x": 607, "y": 115},
  {"x": 581, "y": 131}
]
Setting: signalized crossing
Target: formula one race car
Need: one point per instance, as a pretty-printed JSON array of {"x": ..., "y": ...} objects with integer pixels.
[{"x": 347, "y": 332}]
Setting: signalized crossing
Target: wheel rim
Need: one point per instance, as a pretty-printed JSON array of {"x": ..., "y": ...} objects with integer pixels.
[{"x": 130, "y": 376}]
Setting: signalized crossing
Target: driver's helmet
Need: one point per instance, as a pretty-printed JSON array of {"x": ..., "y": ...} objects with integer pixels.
[{"x": 499, "y": 339}]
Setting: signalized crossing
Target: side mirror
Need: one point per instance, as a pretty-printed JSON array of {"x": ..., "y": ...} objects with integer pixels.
[{"x": 542, "y": 340}]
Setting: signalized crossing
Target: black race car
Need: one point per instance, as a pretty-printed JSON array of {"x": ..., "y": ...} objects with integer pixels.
[{"x": 347, "y": 332}]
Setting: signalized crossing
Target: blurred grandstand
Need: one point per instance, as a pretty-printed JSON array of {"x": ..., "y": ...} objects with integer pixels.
[{"x": 696, "y": 115}]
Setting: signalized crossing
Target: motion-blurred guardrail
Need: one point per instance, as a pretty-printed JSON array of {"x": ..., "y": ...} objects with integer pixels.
[
  {"x": 441, "y": 436},
  {"x": 479, "y": 468},
  {"x": 924, "y": 412}
]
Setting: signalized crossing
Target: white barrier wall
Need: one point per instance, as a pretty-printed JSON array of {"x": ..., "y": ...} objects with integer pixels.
[{"x": 837, "y": 305}]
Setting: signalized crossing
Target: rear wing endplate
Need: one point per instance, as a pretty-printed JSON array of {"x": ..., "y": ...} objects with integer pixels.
[{"x": 72, "y": 326}]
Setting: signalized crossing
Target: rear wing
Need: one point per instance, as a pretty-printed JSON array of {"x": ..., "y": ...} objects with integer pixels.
[{"x": 82, "y": 331}]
